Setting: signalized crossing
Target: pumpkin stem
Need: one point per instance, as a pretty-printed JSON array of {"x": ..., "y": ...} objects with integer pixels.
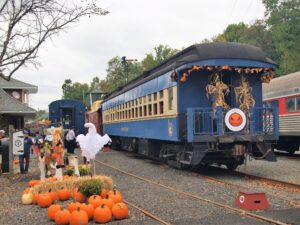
[
  {"x": 106, "y": 196},
  {"x": 78, "y": 208},
  {"x": 102, "y": 206}
]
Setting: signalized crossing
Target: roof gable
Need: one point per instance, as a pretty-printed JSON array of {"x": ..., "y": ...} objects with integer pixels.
[{"x": 17, "y": 84}]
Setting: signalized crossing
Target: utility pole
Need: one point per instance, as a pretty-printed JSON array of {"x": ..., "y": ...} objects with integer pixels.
[{"x": 125, "y": 61}]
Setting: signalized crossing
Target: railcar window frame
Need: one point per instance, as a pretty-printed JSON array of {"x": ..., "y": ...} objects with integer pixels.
[{"x": 290, "y": 104}]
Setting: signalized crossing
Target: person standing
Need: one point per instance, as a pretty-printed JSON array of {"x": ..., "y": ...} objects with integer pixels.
[
  {"x": 70, "y": 141},
  {"x": 27, "y": 149}
]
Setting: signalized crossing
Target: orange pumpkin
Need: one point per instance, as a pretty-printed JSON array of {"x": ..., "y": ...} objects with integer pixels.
[
  {"x": 95, "y": 200},
  {"x": 116, "y": 196},
  {"x": 52, "y": 210},
  {"x": 102, "y": 214},
  {"x": 33, "y": 183},
  {"x": 78, "y": 196},
  {"x": 103, "y": 193},
  {"x": 108, "y": 202},
  {"x": 44, "y": 200},
  {"x": 73, "y": 206},
  {"x": 63, "y": 194},
  {"x": 36, "y": 198},
  {"x": 79, "y": 217},
  {"x": 120, "y": 211},
  {"x": 62, "y": 217},
  {"x": 53, "y": 195},
  {"x": 89, "y": 209},
  {"x": 235, "y": 119}
]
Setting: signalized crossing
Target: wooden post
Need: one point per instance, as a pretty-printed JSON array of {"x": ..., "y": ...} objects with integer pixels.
[{"x": 11, "y": 155}]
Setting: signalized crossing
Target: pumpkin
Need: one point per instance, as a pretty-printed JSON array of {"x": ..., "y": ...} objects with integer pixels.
[
  {"x": 27, "y": 199},
  {"x": 102, "y": 214},
  {"x": 79, "y": 217},
  {"x": 108, "y": 202},
  {"x": 114, "y": 191},
  {"x": 73, "y": 206},
  {"x": 116, "y": 196},
  {"x": 33, "y": 183},
  {"x": 52, "y": 210},
  {"x": 95, "y": 200},
  {"x": 120, "y": 211},
  {"x": 235, "y": 119},
  {"x": 78, "y": 196},
  {"x": 36, "y": 198},
  {"x": 62, "y": 217},
  {"x": 66, "y": 177},
  {"x": 63, "y": 194},
  {"x": 89, "y": 209},
  {"x": 25, "y": 191},
  {"x": 103, "y": 193},
  {"x": 53, "y": 195},
  {"x": 44, "y": 200}
]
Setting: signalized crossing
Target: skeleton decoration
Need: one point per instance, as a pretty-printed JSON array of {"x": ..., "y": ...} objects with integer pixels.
[{"x": 219, "y": 89}]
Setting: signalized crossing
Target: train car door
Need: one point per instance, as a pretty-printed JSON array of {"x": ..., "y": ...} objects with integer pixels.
[{"x": 67, "y": 117}]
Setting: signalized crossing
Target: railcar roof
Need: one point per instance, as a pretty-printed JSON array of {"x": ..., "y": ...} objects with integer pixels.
[
  {"x": 199, "y": 52},
  {"x": 281, "y": 86}
]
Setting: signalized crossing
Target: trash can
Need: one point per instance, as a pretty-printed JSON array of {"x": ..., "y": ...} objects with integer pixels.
[{"x": 4, "y": 152}]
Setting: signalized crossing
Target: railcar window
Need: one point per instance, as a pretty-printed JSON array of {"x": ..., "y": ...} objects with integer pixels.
[
  {"x": 155, "y": 109},
  {"x": 149, "y": 98},
  {"x": 129, "y": 115},
  {"x": 144, "y": 99},
  {"x": 140, "y": 100},
  {"x": 155, "y": 96},
  {"x": 161, "y": 94},
  {"x": 136, "y": 112},
  {"x": 170, "y": 98},
  {"x": 132, "y": 112},
  {"x": 150, "y": 109},
  {"x": 145, "y": 110},
  {"x": 140, "y": 111},
  {"x": 298, "y": 103},
  {"x": 290, "y": 104},
  {"x": 161, "y": 107}
]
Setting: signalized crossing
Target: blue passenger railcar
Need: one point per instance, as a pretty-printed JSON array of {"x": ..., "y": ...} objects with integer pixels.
[
  {"x": 202, "y": 106},
  {"x": 70, "y": 113}
]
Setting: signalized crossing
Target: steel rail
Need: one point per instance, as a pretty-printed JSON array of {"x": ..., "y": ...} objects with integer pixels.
[
  {"x": 290, "y": 201},
  {"x": 236, "y": 210},
  {"x": 147, "y": 213}
]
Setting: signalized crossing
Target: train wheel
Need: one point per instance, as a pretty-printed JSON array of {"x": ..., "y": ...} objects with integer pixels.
[{"x": 231, "y": 166}]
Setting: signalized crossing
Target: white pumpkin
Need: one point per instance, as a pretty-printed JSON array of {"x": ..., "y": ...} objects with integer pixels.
[{"x": 27, "y": 199}]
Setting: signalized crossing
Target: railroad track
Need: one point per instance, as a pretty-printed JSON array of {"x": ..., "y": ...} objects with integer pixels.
[
  {"x": 272, "y": 183},
  {"x": 202, "y": 199}
]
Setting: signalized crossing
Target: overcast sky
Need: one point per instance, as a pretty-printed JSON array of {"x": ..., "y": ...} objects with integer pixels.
[{"x": 133, "y": 28}]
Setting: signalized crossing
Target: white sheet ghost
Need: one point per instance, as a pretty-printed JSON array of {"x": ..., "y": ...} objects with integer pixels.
[{"x": 92, "y": 142}]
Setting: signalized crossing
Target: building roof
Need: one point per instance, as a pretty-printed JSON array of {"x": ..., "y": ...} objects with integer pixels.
[
  {"x": 16, "y": 84},
  {"x": 10, "y": 105},
  {"x": 282, "y": 86}
]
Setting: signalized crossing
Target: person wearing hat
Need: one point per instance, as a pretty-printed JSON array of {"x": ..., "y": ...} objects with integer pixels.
[{"x": 27, "y": 149}]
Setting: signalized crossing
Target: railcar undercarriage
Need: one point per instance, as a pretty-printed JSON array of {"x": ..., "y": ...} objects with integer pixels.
[{"x": 182, "y": 155}]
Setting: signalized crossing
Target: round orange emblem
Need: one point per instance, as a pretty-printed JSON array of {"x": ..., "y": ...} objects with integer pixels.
[{"x": 235, "y": 119}]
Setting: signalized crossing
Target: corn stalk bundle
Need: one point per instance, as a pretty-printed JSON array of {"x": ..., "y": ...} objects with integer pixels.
[
  {"x": 71, "y": 183},
  {"x": 219, "y": 89},
  {"x": 243, "y": 95}
]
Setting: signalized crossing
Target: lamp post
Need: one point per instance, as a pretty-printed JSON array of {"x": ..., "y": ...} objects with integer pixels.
[{"x": 125, "y": 61}]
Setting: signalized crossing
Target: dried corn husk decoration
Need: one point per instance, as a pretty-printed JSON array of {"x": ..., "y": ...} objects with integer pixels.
[
  {"x": 219, "y": 89},
  {"x": 70, "y": 183},
  {"x": 243, "y": 94}
]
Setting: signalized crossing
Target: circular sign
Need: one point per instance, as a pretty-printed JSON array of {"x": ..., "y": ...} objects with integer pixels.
[
  {"x": 242, "y": 199},
  {"x": 235, "y": 119},
  {"x": 18, "y": 143}
]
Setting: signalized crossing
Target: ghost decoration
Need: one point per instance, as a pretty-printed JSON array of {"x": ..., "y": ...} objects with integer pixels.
[{"x": 92, "y": 142}]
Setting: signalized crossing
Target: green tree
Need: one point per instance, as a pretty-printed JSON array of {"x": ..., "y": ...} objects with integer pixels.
[
  {"x": 161, "y": 53},
  {"x": 233, "y": 33},
  {"x": 76, "y": 91},
  {"x": 283, "y": 20}
]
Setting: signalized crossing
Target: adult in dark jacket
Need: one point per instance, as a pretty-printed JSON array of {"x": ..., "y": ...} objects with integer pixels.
[{"x": 27, "y": 149}]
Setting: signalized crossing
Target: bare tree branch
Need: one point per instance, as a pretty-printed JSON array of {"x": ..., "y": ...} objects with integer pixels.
[{"x": 26, "y": 24}]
